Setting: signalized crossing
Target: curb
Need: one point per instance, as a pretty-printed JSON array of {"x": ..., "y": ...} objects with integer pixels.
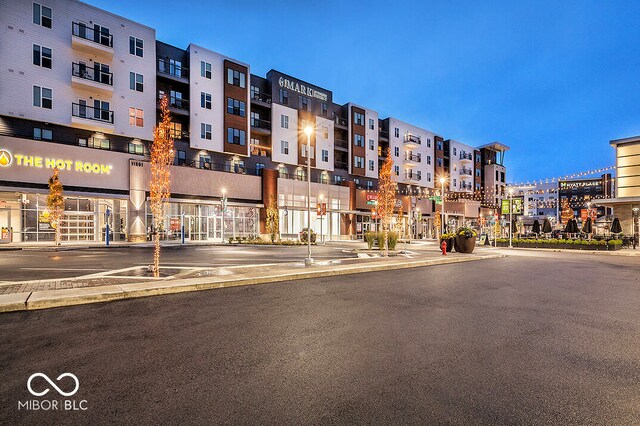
[{"x": 80, "y": 296}]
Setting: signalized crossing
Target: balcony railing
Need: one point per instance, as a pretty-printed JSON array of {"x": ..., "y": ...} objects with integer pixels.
[
  {"x": 92, "y": 74},
  {"x": 260, "y": 124},
  {"x": 411, "y": 157},
  {"x": 339, "y": 143},
  {"x": 340, "y": 121},
  {"x": 465, "y": 187},
  {"x": 412, "y": 139},
  {"x": 177, "y": 103},
  {"x": 262, "y": 97},
  {"x": 91, "y": 113},
  {"x": 413, "y": 176},
  {"x": 342, "y": 165},
  {"x": 383, "y": 134},
  {"x": 91, "y": 34},
  {"x": 466, "y": 171},
  {"x": 466, "y": 156},
  {"x": 166, "y": 67}
]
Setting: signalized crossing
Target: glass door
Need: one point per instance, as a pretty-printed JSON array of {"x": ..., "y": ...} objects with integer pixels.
[{"x": 214, "y": 229}]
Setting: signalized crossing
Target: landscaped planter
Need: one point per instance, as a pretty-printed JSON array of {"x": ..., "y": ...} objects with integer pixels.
[
  {"x": 465, "y": 244},
  {"x": 614, "y": 247}
]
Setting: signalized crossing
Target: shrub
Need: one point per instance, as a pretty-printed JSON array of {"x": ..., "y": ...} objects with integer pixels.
[
  {"x": 370, "y": 237},
  {"x": 466, "y": 232},
  {"x": 446, "y": 236},
  {"x": 303, "y": 235},
  {"x": 380, "y": 238},
  {"x": 614, "y": 242},
  {"x": 230, "y": 240},
  {"x": 393, "y": 240}
]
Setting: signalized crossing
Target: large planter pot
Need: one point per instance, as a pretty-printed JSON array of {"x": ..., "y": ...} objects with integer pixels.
[
  {"x": 613, "y": 247},
  {"x": 450, "y": 244},
  {"x": 464, "y": 244}
]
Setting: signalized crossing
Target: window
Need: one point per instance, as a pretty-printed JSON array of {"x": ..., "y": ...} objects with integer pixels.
[
  {"x": 42, "y": 134},
  {"x": 136, "y": 46},
  {"x": 82, "y": 141},
  {"x": 455, "y": 182},
  {"x": 371, "y": 124},
  {"x": 284, "y": 97},
  {"x": 301, "y": 174},
  {"x": 358, "y": 118},
  {"x": 428, "y": 142},
  {"x": 255, "y": 92},
  {"x": 175, "y": 130},
  {"x": 303, "y": 103},
  {"x": 428, "y": 177},
  {"x": 205, "y": 69},
  {"x": 439, "y": 146},
  {"x": 42, "y": 15},
  {"x": 396, "y": 151},
  {"x": 136, "y": 148},
  {"x": 337, "y": 178},
  {"x": 303, "y": 151},
  {"x": 136, "y": 117},
  {"x": 41, "y": 56},
  {"x": 236, "y": 136},
  {"x": 369, "y": 185},
  {"x": 396, "y": 170},
  {"x": 205, "y": 100},
  {"x": 236, "y": 78},
  {"x": 428, "y": 159},
  {"x": 283, "y": 172},
  {"x": 371, "y": 165},
  {"x": 205, "y": 131},
  {"x": 284, "y": 121},
  {"x": 478, "y": 172},
  {"x": 236, "y": 107},
  {"x": 439, "y": 162},
  {"x": 205, "y": 161},
  {"x": 100, "y": 143},
  {"x": 42, "y": 97},
  {"x": 182, "y": 157},
  {"x": 259, "y": 168},
  {"x": 323, "y": 109},
  {"x": 284, "y": 147},
  {"x": 501, "y": 176},
  {"x": 358, "y": 162},
  {"x": 359, "y": 140},
  {"x": 455, "y": 151},
  {"x": 396, "y": 132},
  {"x": 325, "y": 132},
  {"x": 478, "y": 159},
  {"x": 136, "y": 82},
  {"x": 255, "y": 119},
  {"x": 325, "y": 155},
  {"x": 372, "y": 145}
]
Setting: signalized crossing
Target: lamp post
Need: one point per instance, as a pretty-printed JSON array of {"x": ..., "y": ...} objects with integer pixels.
[
  {"x": 321, "y": 219},
  {"x": 442, "y": 181},
  {"x": 510, "y": 217},
  {"x": 308, "y": 131}
]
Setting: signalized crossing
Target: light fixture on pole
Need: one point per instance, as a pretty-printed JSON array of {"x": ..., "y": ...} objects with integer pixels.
[
  {"x": 308, "y": 131},
  {"x": 321, "y": 197},
  {"x": 442, "y": 181},
  {"x": 510, "y": 217}
]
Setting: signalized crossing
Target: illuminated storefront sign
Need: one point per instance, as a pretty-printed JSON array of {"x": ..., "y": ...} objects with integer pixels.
[
  {"x": 301, "y": 88},
  {"x": 19, "y": 160}
]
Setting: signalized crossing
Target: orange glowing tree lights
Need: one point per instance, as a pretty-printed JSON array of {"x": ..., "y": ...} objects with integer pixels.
[
  {"x": 386, "y": 198},
  {"x": 55, "y": 204},
  {"x": 160, "y": 186}
]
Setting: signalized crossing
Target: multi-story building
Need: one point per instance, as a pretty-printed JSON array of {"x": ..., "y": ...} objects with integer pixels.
[
  {"x": 81, "y": 90},
  {"x": 540, "y": 200},
  {"x": 582, "y": 194}
]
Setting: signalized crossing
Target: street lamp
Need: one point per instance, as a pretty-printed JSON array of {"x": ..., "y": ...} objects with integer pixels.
[
  {"x": 442, "y": 181},
  {"x": 308, "y": 131},
  {"x": 510, "y": 217},
  {"x": 321, "y": 219}
]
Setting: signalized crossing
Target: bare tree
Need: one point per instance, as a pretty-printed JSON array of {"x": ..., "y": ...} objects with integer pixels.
[{"x": 386, "y": 198}]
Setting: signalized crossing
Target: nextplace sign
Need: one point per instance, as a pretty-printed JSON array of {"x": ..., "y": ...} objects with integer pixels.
[
  {"x": 301, "y": 88},
  {"x": 7, "y": 159}
]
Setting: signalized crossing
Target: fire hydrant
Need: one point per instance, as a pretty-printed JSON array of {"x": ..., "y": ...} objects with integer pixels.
[{"x": 443, "y": 246}]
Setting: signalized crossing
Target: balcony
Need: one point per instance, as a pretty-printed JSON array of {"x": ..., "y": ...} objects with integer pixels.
[
  {"x": 411, "y": 159},
  {"x": 383, "y": 134},
  {"x": 261, "y": 99},
  {"x": 176, "y": 106},
  {"x": 341, "y": 144},
  {"x": 466, "y": 172},
  {"x": 342, "y": 165},
  {"x": 413, "y": 176},
  {"x": 466, "y": 186},
  {"x": 466, "y": 157},
  {"x": 173, "y": 71},
  {"x": 84, "y": 77},
  {"x": 90, "y": 118},
  {"x": 91, "y": 40},
  {"x": 341, "y": 122},
  {"x": 412, "y": 140},
  {"x": 260, "y": 126}
]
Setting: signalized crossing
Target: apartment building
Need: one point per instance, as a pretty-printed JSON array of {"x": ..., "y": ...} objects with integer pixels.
[{"x": 81, "y": 90}]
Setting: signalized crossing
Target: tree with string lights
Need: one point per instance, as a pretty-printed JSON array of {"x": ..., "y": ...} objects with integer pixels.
[
  {"x": 55, "y": 205},
  {"x": 386, "y": 198},
  {"x": 160, "y": 186},
  {"x": 272, "y": 225},
  {"x": 567, "y": 212}
]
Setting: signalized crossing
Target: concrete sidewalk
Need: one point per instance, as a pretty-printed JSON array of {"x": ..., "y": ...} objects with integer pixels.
[{"x": 29, "y": 296}]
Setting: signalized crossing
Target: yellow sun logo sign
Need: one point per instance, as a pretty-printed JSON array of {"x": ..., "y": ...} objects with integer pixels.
[{"x": 5, "y": 158}]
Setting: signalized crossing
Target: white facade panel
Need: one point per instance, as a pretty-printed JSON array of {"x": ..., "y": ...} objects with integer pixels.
[
  {"x": 457, "y": 165},
  {"x": 324, "y": 127},
  {"x": 288, "y": 134},
  {"x": 415, "y": 162},
  {"x": 18, "y": 34}
]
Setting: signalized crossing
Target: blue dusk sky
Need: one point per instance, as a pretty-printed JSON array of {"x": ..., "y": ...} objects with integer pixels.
[{"x": 554, "y": 80}]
